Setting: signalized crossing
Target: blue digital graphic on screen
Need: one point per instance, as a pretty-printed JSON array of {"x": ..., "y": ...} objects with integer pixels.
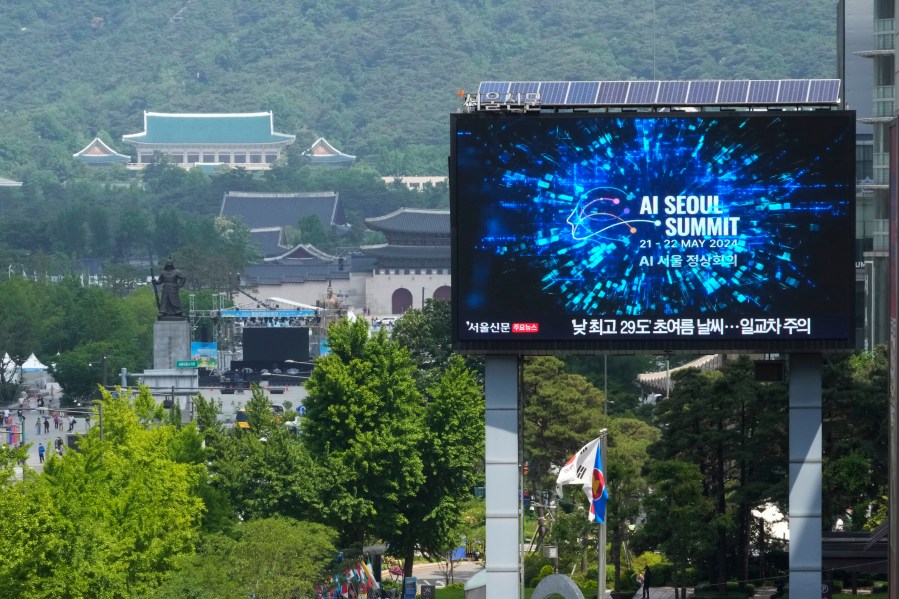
[{"x": 733, "y": 226}]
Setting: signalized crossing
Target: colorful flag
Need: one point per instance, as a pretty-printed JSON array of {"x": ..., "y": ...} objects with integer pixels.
[
  {"x": 369, "y": 576},
  {"x": 585, "y": 468}
]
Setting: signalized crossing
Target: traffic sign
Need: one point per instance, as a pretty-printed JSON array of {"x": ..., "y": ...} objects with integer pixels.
[{"x": 186, "y": 363}]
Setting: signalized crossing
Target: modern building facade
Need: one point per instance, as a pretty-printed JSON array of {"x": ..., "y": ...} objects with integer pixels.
[{"x": 867, "y": 69}]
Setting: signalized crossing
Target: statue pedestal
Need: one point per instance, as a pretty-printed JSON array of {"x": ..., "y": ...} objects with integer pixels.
[{"x": 171, "y": 342}]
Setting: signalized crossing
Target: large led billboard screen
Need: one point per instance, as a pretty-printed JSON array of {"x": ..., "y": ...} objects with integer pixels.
[{"x": 728, "y": 231}]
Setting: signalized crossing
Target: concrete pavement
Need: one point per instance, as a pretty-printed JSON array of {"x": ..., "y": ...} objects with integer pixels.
[{"x": 28, "y": 433}]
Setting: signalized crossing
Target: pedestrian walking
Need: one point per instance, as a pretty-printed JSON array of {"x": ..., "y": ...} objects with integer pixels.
[
  {"x": 57, "y": 422},
  {"x": 46, "y": 425},
  {"x": 41, "y": 450},
  {"x": 71, "y": 423},
  {"x": 647, "y": 579},
  {"x": 58, "y": 444}
]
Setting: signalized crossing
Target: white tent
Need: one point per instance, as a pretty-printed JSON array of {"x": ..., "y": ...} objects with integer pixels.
[
  {"x": 34, "y": 374},
  {"x": 32, "y": 364}
]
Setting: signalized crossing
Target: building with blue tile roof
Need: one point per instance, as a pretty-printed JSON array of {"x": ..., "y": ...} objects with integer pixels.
[{"x": 246, "y": 140}]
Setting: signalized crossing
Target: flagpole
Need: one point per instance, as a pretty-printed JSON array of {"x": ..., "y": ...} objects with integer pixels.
[{"x": 601, "y": 573}]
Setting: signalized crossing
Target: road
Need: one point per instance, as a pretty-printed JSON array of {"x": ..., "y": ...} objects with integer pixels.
[{"x": 429, "y": 573}]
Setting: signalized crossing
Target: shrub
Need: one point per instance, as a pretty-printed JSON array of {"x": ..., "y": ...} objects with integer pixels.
[
  {"x": 544, "y": 572},
  {"x": 533, "y": 563}
]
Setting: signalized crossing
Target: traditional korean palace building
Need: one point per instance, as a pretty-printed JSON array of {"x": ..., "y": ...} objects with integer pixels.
[
  {"x": 414, "y": 264},
  {"x": 385, "y": 279},
  {"x": 246, "y": 140},
  {"x": 98, "y": 154},
  {"x": 324, "y": 154}
]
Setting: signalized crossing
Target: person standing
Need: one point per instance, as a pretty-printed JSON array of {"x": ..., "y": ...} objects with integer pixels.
[
  {"x": 647, "y": 579},
  {"x": 37, "y": 426},
  {"x": 41, "y": 450},
  {"x": 71, "y": 423},
  {"x": 46, "y": 425}
]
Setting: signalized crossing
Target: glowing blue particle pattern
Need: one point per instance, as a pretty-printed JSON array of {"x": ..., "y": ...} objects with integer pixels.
[{"x": 589, "y": 209}]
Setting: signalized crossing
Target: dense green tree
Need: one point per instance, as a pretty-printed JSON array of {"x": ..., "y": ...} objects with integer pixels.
[
  {"x": 364, "y": 424},
  {"x": 270, "y": 558},
  {"x": 109, "y": 520},
  {"x": 856, "y": 431},
  {"x": 263, "y": 471},
  {"x": 627, "y": 449},
  {"x": 562, "y": 412},
  {"x": 734, "y": 430},
  {"x": 679, "y": 516},
  {"x": 426, "y": 333},
  {"x": 451, "y": 452}
]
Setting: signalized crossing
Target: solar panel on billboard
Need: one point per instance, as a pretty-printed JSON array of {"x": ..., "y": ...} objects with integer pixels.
[
  {"x": 673, "y": 92},
  {"x": 642, "y": 92},
  {"x": 613, "y": 92},
  {"x": 487, "y": 87},
  {"x": 553, "y": 92},
  {"x": 824, "y": 90},
  {"x": 733, "y": 92},
  {"x": 763, "y": 91},
  {"x": 583, "y": 92},
  {"x": 523, "y": 87},
  {"x": 793, "y": 91},
  {"x": 703, "y": 92}
]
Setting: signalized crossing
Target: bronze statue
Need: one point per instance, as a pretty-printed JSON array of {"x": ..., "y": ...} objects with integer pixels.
[{"x": 171, "y": 280}]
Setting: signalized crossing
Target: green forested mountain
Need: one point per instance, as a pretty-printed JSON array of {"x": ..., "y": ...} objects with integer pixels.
[{"x": 377, "y": 79}]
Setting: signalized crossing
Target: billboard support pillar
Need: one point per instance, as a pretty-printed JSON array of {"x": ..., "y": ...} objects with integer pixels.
[
  {"x": 501, "y": 466},
  {"x": 805, "y": 474}
]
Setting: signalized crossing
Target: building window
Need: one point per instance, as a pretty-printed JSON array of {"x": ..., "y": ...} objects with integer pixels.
[
  {"x": 193, "y": 158},
  {"x": 256, "y": 158},
  {"x": 240, "y": 158},
  {"x": 418, "y": 271},
  {"x": 145, "y": 158},
  {"x": 406, "y": 271},
  {"x": 225, "y": 158},
  {"x": 428, "y": 271},
  {"x": 208, "y": 157},
  {"x": 270, "y": 158},
  {"x": 177, "y": 158}
]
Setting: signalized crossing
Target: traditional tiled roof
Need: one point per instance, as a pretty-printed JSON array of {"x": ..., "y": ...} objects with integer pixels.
[
  {"x": 162, "y": 128},
  {"x": 410, "y": 220},
  {"x": 305, "y": 251},
  {"x": 417, "y": 253},
  {"x": 98, "y": 153},
  {"x": 322, "y": 152},
  {"x": 268, "y": 241},
  {"x": 262, "y": 210},
  {"x": 9, "y": 183},
  {"x": 288, "y": 271}
]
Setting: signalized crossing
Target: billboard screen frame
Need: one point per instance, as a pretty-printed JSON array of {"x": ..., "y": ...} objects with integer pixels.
[{"x": 839, "y": 261}]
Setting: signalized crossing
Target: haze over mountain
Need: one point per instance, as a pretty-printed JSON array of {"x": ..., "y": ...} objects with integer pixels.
[{"x": 377, "y": 79}]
